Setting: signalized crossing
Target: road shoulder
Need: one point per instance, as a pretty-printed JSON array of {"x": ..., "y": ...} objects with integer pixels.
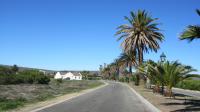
[{"x": 151, "y": 107}]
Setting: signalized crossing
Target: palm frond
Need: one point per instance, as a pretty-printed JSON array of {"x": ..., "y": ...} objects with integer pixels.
[
  {"x": 198, "y": 11},
  {"x": 192, "y": 32}
]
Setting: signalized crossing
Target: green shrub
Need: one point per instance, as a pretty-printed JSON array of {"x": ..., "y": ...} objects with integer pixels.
[
  {"x": 189, "y": 84},
  {"x": 133, "y": 78},
  {"x": 7, "y": 104},
  {"x": 59, "y": 81},
  {"x": 5, "y": 70},
  {"x": 28, "y": 77},
  {"x": 122, "y": 79},
  {"x": 127, "y": 79}
]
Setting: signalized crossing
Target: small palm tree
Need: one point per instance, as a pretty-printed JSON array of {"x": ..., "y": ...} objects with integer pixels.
[
  {"x": 175, "y": 72},
  {"x": 128, "y": 60},
  {"x": 169, "y": 74},
  {"x": 154, "y": 72},
  {"x": 191, "y": 32}
]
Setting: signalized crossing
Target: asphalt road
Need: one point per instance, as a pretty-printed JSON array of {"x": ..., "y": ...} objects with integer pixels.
[{"x": 114, "y": 97}]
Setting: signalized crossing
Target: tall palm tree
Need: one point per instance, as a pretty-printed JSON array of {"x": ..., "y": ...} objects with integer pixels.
[
  {"x": 141, "y": 34},
  {"x": 129, "y": 60},
  {"x": 191, "y": 32}
]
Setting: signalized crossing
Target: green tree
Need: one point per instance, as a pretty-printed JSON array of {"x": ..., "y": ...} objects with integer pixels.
[
  {"x": 140, "y": 35},
  {"x": 85, "y": 74},
  {"x": 191, "y": 32}
]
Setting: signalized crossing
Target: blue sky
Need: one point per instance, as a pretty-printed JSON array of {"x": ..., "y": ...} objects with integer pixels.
[{"x": 79, "y": 34}]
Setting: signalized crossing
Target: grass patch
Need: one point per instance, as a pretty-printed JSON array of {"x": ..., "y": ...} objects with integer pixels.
[{"x": 6, "y": 104}]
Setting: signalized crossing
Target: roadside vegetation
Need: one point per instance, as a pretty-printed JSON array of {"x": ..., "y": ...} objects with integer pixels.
[
  {"x": 189, "y": 84},
  {"x": 29, "y": 86},
  {"x": 141, "y": 35},
  {"x": 13, "y": 96},
  {"x": 11, "y": 75},
  {"x": 90, "y": 76}
]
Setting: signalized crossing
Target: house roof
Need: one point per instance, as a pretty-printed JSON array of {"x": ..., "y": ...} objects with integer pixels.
[
  {"x": 76, "y": 74},
  {"x": 63, "y": 73}
]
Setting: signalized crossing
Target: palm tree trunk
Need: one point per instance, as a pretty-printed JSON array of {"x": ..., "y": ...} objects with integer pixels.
[
  {"x": 140, "y": 55},
  {"x": 162, "y": 89},
  {"x": 169, "y": 92},
  {"x": 118, "y": 70},
  {"x": 130, "y": 72}
]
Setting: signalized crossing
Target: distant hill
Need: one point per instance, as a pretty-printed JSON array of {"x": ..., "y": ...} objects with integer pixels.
[
  {"x": 51, "y": 72},
  {"x": 28, "y": 68},
  {"x": 91, "y": 72}
]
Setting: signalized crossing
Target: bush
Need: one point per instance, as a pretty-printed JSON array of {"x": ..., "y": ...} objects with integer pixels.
[
  {"x": 6, "y": 104},
  {"x": 133, "y": 78},
  {"x": 189, "y": 84},
  {"x": 28, "y": 77},
  {"x": 59, "y": 80},
  {"x": 122, "y": 79},
  {"x": 5, "y": 70}
]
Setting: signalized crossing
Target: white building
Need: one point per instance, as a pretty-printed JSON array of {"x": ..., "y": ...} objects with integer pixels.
[{"x": 68, "y": 75}]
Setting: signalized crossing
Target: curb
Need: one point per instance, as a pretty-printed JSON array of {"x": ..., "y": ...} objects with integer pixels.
[{"x": 151, "y": 107}]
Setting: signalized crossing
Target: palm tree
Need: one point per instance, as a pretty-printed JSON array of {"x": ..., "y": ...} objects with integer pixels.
[
  {"x": 114, "y": 67},
  {"x": 128, "y": 60},
  {"x": 85, "y": 74},
  {"x": 106, "y": 72},
  {"x": 191, "y": 32},
  {"x": 175, "y": 72},
  {"x": 141, "y": 34},
  {"x": 169, "y": 74},
  {"x": 154, "y": 73}
]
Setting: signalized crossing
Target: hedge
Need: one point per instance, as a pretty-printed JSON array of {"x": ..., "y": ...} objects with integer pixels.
[{"x": 189, "y": 84}]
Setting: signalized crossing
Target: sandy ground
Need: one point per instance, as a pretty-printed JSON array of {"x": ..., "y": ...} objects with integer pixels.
[
  {"x": 166, "y": 104},
  {"x": 40, "y": 105}
]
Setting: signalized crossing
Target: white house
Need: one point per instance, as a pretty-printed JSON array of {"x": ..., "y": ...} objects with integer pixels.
[
  {"x": 58, "y": 76},
  {"x": 68, "y": 75}
]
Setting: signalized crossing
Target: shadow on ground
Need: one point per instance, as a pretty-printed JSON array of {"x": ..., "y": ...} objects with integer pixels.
[{"x": 190, "y": 104}]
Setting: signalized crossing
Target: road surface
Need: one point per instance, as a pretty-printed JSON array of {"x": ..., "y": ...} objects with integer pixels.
[{"x": 115, "y": 97}]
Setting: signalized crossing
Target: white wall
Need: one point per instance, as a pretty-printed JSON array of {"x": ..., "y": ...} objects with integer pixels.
[{"x": 67, "y": 75}]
